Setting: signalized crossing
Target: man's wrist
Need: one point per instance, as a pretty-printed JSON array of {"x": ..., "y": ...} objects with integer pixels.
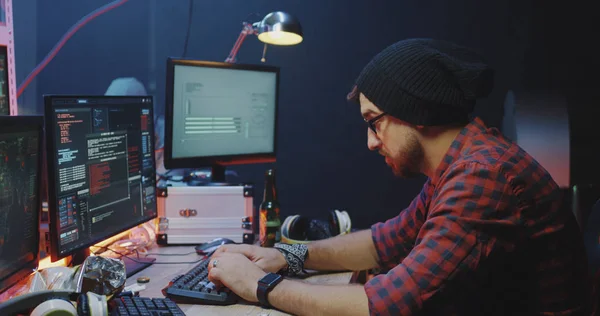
[
  {"x": 254, "y": 284},
  {"x": 284, "y": 265},
  {"x": 265, "y": 285},
  {"x": 295, "y": 255}
]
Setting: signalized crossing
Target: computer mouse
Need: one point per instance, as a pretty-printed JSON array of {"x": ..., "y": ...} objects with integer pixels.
[{"x": 211, "y": 246}]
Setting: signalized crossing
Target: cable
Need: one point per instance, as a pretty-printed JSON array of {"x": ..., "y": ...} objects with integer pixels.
[
  {"x": 135, "y": 260},
  {"x": 170, "y": 254},
  {"x": 189, "y": 26},
  {"x": 165, "y": 176},
  {"x": 83, "y": 21}
]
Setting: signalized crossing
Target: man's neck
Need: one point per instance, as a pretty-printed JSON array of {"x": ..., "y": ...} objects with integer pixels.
[{"x": 435, "y": 147}]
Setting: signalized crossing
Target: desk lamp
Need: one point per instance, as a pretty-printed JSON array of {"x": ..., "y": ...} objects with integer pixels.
[{"x": 276, "y": 28}]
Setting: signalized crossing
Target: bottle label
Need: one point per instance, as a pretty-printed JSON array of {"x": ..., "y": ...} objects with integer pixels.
[{"x": 269, "y": 230}]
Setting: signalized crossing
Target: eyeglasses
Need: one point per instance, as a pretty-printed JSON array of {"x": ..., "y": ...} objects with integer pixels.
[{"x": 372, "y": 122}]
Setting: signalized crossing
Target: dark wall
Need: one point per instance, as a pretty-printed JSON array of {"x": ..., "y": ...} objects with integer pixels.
[
  {"x": 113, "y": 45},
  {"x": 26, "y": 58},
  {"x": 560, "y": 59},
  {"x": 323, "y": 161}
]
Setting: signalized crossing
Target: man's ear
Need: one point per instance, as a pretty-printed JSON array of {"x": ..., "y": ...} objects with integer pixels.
[{"x": 426, "y": 130}]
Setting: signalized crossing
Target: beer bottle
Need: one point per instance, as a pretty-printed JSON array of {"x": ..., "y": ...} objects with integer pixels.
[{"x": 270, "y": 224}]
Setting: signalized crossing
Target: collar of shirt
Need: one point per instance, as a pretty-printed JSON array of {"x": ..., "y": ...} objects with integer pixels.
[{"x": 476, "y": 126}]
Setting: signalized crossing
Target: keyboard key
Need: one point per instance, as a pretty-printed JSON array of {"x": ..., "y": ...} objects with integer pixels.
[
  {"x": 194, "y": 287},
  {"x": 145, "y": 306}
]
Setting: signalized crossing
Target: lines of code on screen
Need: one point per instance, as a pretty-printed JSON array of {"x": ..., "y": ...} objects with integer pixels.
[
  {"x": 18, "y": 199},
  {"x": 104, "y": 175}
]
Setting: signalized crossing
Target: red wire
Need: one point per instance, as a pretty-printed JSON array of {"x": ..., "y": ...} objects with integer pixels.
[{"x": 62, "y": 43}]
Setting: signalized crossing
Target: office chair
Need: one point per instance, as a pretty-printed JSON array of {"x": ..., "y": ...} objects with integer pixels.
[
  {"x": 583, "y": 197},
  {"x": 591, "y": 236}
]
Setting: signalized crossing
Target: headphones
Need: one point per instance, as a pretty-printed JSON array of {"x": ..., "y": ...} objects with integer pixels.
[
  {"x": 298, "y": 229},
  {"x": 56, "y": 303}
]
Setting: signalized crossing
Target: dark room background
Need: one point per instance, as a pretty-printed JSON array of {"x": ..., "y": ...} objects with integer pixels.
[{"x": 323, "y": 161}]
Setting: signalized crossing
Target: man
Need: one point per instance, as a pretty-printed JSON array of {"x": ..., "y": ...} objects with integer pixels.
[{"x": 487, "y": 235}]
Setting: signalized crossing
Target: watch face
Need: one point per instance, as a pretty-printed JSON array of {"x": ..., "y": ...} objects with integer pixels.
[{"x": 270, "y": 278}]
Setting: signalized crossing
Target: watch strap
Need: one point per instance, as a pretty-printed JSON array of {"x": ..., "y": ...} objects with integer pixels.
[
  {"x": 261, "y": 294},
  {"x": 263, "y": 290}
]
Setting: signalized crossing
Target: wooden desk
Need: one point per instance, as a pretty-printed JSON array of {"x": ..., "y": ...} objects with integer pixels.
[{"x": 161, "y": 274}]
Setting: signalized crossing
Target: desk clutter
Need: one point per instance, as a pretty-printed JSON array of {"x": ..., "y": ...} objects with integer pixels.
[
  {"x": 102, "y": 166},
  {"x": 95, "y": 288},
  {"x": 71, "y": 303}
]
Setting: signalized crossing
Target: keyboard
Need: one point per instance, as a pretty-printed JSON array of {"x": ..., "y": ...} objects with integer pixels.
[
  {"x": 144, "y": 306},
  {"x": 193, "y": 287}
]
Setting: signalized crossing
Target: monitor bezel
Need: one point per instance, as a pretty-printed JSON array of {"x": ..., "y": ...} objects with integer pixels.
[
  {"x": 4, "y": 51},
  {"x": 51, "y": 162},
  {"x": 21, "y": 124},
  {"x": 171, "y": 162}
]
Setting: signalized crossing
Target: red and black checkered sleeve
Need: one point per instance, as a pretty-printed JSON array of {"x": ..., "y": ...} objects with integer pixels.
[
  {"x": 447, "y": 246},
  {"x": 395, "y": 238}
]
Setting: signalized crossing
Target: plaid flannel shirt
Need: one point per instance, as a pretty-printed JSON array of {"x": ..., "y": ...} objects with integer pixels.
[{"x": 488, "y": 235}]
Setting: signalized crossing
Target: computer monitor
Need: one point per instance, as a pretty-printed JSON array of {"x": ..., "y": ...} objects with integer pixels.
[
  {"x": 219, "y": 114},
  {"x": 20, "y": 203},
  {"x": 101, "y": 171}
]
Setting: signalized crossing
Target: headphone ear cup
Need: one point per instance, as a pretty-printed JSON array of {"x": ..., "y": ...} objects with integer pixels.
[
  {"x": 57, "y": 305},
  {"x": 334, "y": 223},
  {"x": 318, "y": 229},
  {"x": 92, "y": 304},
  {"x": 298, "y": 227},
  {"x": 285, "y": 226},
  {"x": 83, "y": 305},
  {"x": 345, "y": 222},
  {"x": 341, "y": 221}
]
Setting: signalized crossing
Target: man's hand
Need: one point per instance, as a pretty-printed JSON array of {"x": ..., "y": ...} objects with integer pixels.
[
  {"x": 234, "y": 269},
  {"x": 237, "y": 272},
  {"x": 268, "y": 259}
]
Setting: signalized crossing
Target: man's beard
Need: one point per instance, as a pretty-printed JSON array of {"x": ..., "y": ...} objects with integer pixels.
[{"x": 407, "y": 162}]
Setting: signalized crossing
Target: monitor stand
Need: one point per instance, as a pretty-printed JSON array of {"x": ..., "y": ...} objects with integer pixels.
[
  {"x": 131, "y": 267},
  {"x": 217, "y": 178}
]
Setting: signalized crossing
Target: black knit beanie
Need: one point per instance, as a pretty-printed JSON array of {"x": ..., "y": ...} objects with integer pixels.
[{"x": 426, "y": 82}]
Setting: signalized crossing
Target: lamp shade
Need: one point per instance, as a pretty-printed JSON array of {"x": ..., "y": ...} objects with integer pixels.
[{"x": 279, "y": 28}]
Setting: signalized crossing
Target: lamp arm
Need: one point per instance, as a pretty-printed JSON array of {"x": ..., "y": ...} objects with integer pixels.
[{"x": 248, "y": 29}]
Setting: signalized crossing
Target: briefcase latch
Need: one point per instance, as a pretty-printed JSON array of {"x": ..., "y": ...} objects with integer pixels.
[{"x": 187, "y": 212}]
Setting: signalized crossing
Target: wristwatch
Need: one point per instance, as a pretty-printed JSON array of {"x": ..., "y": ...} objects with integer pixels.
[{"x": 265, "y": 285}]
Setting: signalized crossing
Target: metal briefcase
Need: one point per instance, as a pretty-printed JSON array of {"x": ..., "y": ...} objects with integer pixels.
[{"x": 198, "y": 214}]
